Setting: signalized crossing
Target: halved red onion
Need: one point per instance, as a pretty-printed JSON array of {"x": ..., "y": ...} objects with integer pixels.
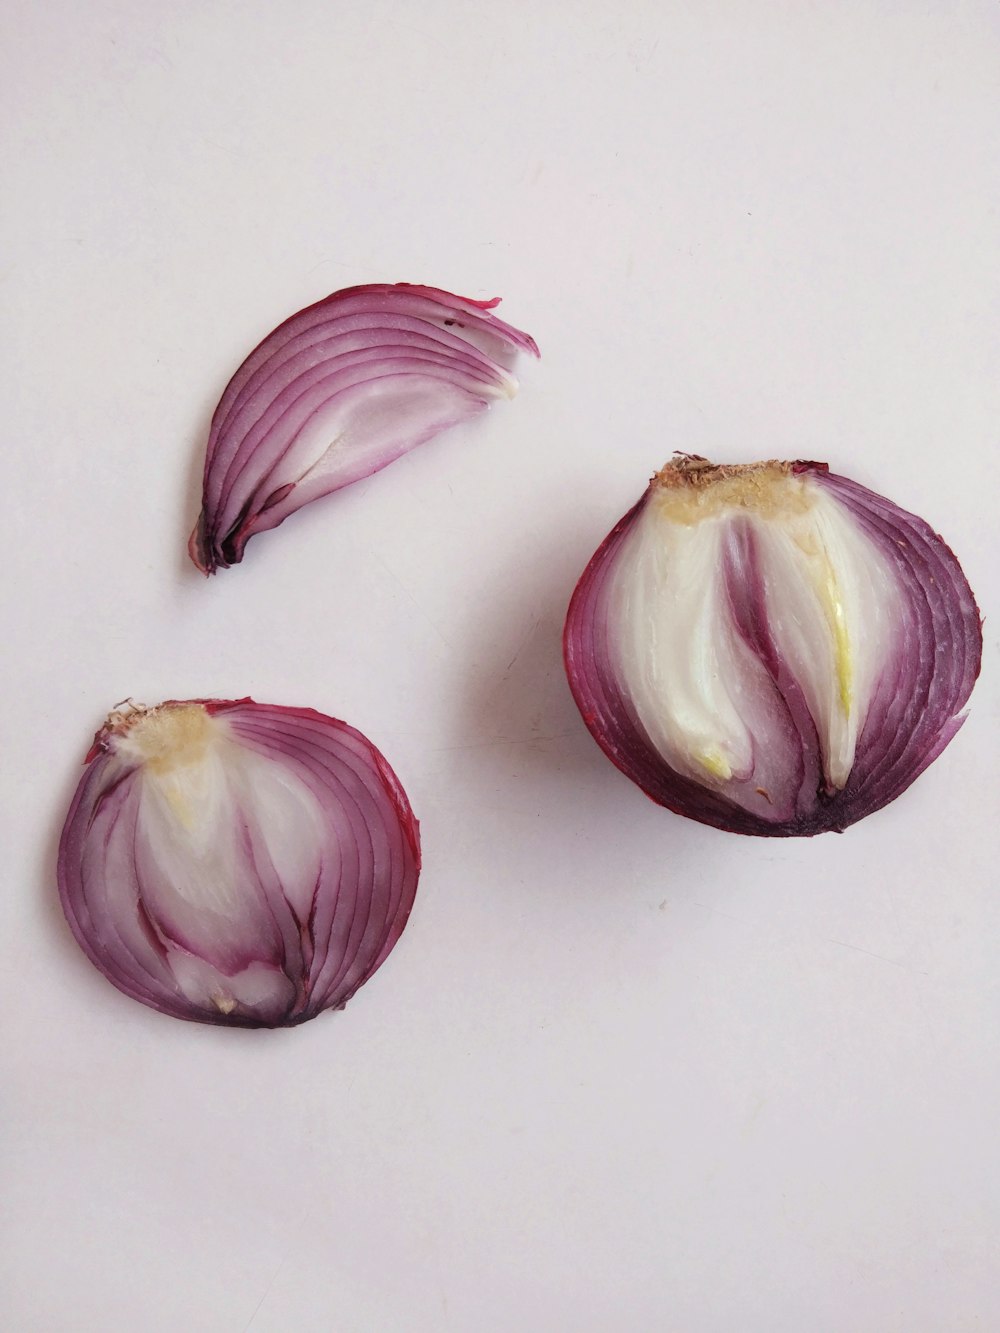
[
  {"x": 771, "y": 649},
  {"x": 237, "y": 863},
  {"x": 339, "y": 391}
]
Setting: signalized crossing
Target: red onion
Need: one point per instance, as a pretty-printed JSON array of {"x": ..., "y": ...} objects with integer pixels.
[
  {"x": 337, "y": 392},
  {"x": 237, "y": 863},
  {"x": 770, "y": 648}
]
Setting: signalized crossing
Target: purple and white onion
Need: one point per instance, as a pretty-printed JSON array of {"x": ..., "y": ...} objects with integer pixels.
[
  {"x": 771, "y": 649},
  {"x": 237, "y": 863},
  {"x": 339, "y": 391}
]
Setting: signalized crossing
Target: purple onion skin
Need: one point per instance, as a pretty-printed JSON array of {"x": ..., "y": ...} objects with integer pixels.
[
  {"x": 915, "y": 710},
  {"x": 337, "y": 392},
  {"x": 309, "y": 945}
]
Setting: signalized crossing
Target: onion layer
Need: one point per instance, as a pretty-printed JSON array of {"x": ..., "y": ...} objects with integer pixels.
[
  {"x": 771, "y": 649},
  {"x": 237, "y": 863},
  {"x": 339, "y": 391}
]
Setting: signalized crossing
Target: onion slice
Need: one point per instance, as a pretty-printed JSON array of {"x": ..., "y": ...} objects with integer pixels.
[
  {"x": 770, "y": 648},
  {"x": 237, "y": 863},
  {"x": 339, "y": 391}
]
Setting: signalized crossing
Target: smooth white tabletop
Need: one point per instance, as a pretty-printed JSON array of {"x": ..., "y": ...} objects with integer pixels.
[{"x": 623, "y": 1073}]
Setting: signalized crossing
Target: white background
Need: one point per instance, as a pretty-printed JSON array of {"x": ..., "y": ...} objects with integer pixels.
[{"x": 622, "y": 1072}]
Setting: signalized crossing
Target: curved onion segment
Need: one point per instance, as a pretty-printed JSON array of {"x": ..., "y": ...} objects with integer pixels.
[
  {"x": 770, "y": 648},
  {"x": 237, "y": 863},
  {"x": 336, "y": 393}
]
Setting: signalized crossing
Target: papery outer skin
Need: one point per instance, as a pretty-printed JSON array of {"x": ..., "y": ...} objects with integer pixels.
[
  {"x": 318, "y": 848},
  {"x": 339, "y": 391},
  {"x": 917, "y": 692}
]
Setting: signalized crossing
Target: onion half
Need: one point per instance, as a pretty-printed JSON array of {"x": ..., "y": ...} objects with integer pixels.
[
  {"x": 339, "y": 391},
  {"x": 237, "y": 863},
  {"x": 771, "y": 649}
]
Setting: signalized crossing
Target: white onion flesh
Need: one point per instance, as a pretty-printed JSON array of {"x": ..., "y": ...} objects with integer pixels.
[{"x": 697, "y": 688}]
